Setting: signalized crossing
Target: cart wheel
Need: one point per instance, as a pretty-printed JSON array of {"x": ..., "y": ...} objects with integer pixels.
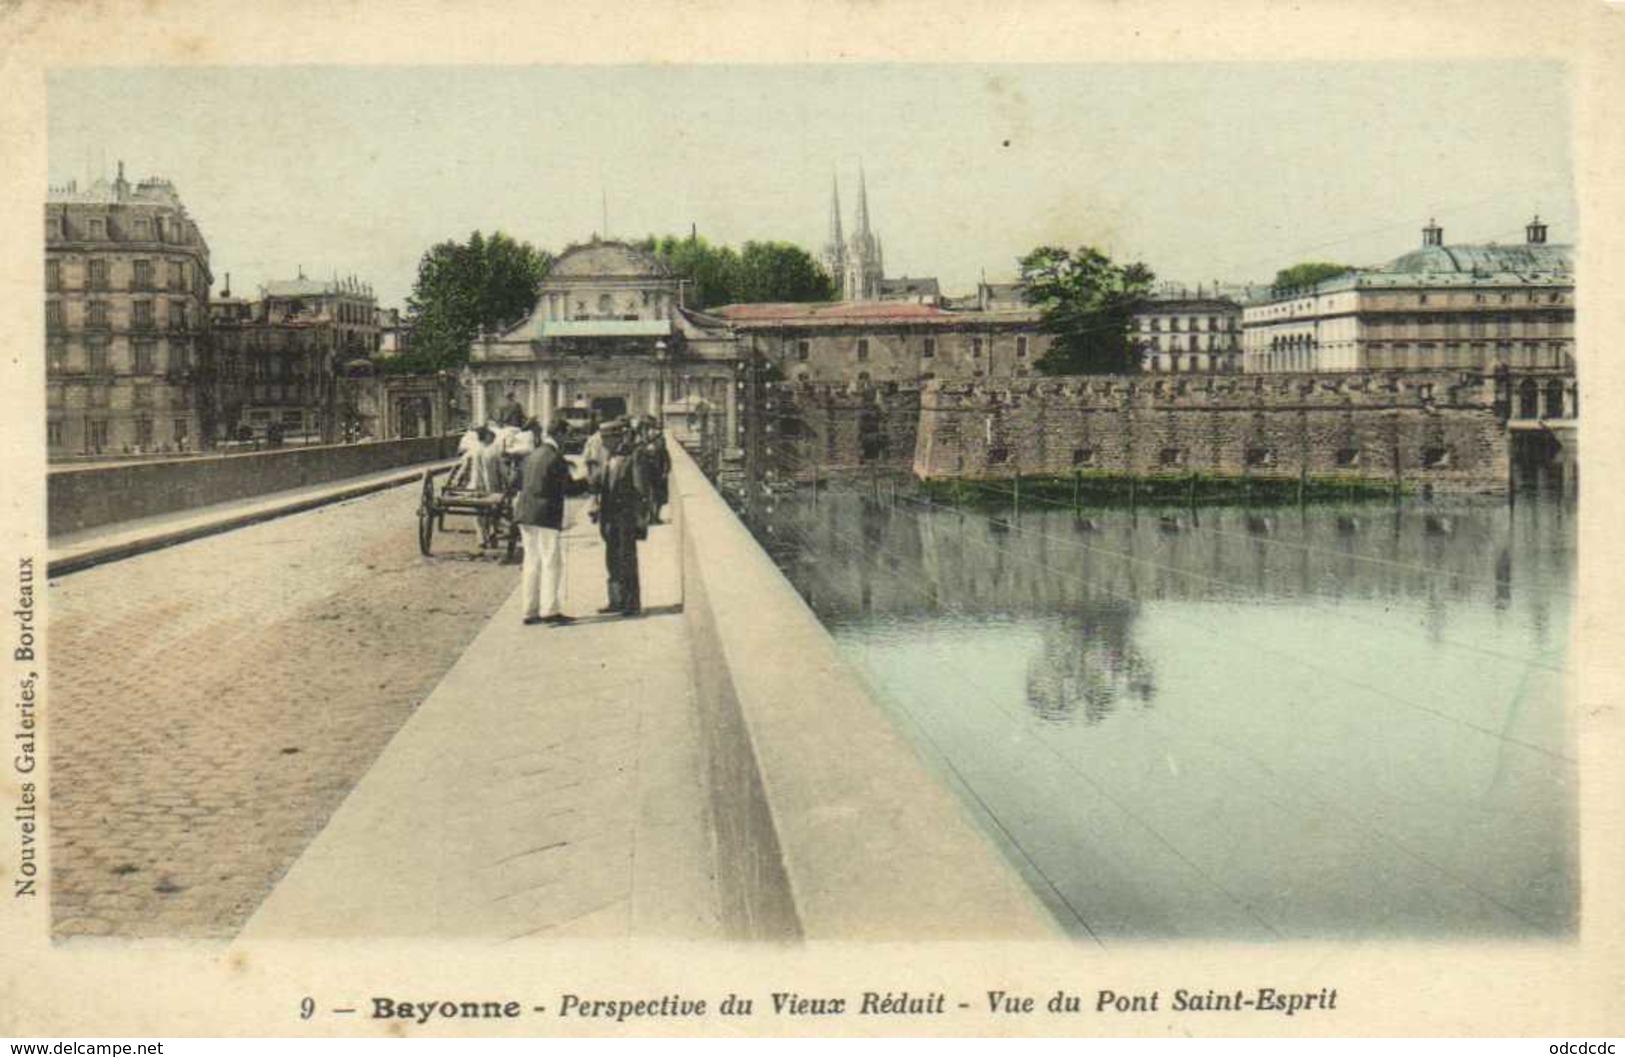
[
  {"x": 425, "y": 530},
  {"x": 426, "y": 515}
]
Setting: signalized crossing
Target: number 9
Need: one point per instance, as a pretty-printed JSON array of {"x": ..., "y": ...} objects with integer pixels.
[{"x": 307, "y": 1008}]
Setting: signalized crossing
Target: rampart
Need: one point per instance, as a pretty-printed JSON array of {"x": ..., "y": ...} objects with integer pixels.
[
  {"x": 840, "y": 427},
  {"x": 85, "y": 497},
  {"x": 1439, "y": 429}
]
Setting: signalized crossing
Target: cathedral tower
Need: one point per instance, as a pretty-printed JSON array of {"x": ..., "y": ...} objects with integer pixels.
[
  {"x": 863, "y": 266},
  {"x": 835, "y": 248}
]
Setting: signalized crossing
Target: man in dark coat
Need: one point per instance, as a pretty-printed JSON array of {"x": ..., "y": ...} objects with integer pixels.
[
  {"x": 539, "y": 511},
  {"x": 657, "y": 469},
  {"x": 513, "y": 413},
  {"x": 622, "y": 520}
]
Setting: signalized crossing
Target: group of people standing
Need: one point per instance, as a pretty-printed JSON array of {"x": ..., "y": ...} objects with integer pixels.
[{"x": 627, "y": 470}]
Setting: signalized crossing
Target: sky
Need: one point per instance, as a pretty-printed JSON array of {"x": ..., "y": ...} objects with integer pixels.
[{"x": 1204, "y": 171}]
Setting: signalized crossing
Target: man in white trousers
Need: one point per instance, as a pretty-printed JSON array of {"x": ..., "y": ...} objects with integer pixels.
[{"x": 539, "y": 511}]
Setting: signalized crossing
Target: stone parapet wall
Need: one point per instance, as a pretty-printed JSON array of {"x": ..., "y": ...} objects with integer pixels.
[
  {"x": 829, "y": 825},
  {"x": 81, "y": 498},
  {"x": 1437, "y": 428}
]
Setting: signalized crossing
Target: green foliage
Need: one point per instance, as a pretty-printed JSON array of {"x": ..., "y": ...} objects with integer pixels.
[
  {"x": 1088, "y": 305},
  {"x": 1308, "y": 273},
  {"x": 764, "y": 271},
  {"x": 463, "y": 290}
]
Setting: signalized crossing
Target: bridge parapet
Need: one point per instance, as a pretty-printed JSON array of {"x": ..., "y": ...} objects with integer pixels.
[{"x": 829, "y": 825}]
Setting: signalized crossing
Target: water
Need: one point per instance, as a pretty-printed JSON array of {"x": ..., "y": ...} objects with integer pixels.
[{"x": 1226, "y": 723}]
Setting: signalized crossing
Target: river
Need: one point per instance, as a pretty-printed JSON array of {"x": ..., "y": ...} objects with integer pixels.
[{"x": 1225, "y": 723}]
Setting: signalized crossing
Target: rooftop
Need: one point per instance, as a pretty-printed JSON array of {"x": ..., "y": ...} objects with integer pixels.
[
  {"x": 795, "y": 313},
  {"x": 603, "y": 260}
]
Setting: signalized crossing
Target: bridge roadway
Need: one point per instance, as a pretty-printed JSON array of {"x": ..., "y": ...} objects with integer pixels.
[{"x": 302, "y": 728}]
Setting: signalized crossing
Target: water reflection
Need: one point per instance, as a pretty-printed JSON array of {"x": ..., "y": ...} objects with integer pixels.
[
  {"x": 1086, "y": 665},
  {"x": 1228, "y": 722}
]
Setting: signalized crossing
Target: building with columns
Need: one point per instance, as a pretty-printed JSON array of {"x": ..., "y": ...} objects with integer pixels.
[
  {"x": 609, "y": 333},
  {"x": 127, "y": 338},
  {"x": 1478, "y": 306}
]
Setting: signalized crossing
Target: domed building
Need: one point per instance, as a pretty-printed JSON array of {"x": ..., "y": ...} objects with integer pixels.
[
  {"x": 1476, "y": 307},
  {"x": 609, "y": 334}
]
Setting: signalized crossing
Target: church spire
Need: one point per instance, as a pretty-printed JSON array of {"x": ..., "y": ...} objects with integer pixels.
[
  {"x": 835, "y": 237},
  {"x": 863, "y": 204}
]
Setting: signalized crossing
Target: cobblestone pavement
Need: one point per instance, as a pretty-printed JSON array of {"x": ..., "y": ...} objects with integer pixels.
[{"x": 211, "y": 704}]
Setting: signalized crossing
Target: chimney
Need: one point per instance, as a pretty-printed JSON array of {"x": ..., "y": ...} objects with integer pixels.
[
  {"x": 227, "y": 291},
  {"x": 1433, "y": 234},
  {"x": 1535, "y": 232}
]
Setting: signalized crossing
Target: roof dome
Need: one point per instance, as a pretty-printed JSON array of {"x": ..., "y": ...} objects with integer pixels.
[
  {"x": 599, "y": 260},
  {"x": 1518, "y": 259}
]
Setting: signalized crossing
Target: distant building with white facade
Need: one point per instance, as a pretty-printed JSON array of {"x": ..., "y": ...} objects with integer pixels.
[
  {"x": 1179, "y": 335},
  {"x": 1474, "y": 307}
]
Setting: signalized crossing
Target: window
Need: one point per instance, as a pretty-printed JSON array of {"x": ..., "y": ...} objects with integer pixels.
[
  {"x": 929, "y": 349},
  {"x": 1170, "y": 457},
  {"x": 96, "y": 353},
  {"x": 1156, "y": 325},
  {"x": 1503, "y": 326},
  {"x": 96, "y": 275},
  {"x": 99, "y": 395},
  {"x": 141, "y": 228},
  {"x": 143, "y": 396},
  {"x": 143, "y": 357},
  {"x": 1083, "y": 456},
  {"x": 53, "y": 315},
  {"x": 53, "y": 432},
  {"x": 997, "y": 454},
  {"x": 96, "y": 314},
  {"x": 143, "y": 276},
  {"x": 53, "y": 228},
  {"x": 143, "y": 432},
  {"x": 1347, "y": 458},
  {"x": 177, "y": 275},
  {"x": 603, "y": 303},
  {"x": 141, "y": 313},
  {"x": 56, "y": 357},
  {"x": 1259, "y": 457},
  {"x": 863, "y": 349},
  {"x": 96, "y": 435},
  {"x": 53, "y": 275},
  {"x": 976, "y": 348},
  {"x": 1435, "y": 458},
  {"x": 96, "y": 227},
  {"x": 177, "y": 315},
  {"x": 180, "y": 430},
  {"x": 1021, "y": 347},
  {"x": 180, "y": 357}
]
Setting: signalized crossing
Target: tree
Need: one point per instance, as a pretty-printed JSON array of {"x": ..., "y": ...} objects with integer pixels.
[
  {"x": 781, "y": 271},
  {"x": 1307, "y": 273},
  {"x": 1088, "y": 305},
  {"x": 463, "y": 290},
  {"x": 763, "y": 271},
  {"x": 712, "y": 272}
]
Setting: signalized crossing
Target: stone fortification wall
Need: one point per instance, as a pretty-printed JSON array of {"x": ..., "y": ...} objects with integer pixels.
[
  {"x": 1438, "y": 428},
  {"x": 81, "y": 498},
  {"x": 841, "y": 427}
]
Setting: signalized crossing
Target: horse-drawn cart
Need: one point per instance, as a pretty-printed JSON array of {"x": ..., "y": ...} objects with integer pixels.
[{"x": 491, "y": 511}]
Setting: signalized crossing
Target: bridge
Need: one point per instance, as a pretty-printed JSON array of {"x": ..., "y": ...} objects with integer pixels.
[{"x": 274, "y": 719}]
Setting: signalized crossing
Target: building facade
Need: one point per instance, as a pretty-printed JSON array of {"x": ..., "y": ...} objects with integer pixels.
[
  {"x": 1184, "y": 335},
  {"x": 1472, "y": 307},
  {"x": 608, "y": 333},
  {"x": 887, "y": 342},
  {"x": 283, "y": 358},
  {"x": 128, "y": 352}
]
